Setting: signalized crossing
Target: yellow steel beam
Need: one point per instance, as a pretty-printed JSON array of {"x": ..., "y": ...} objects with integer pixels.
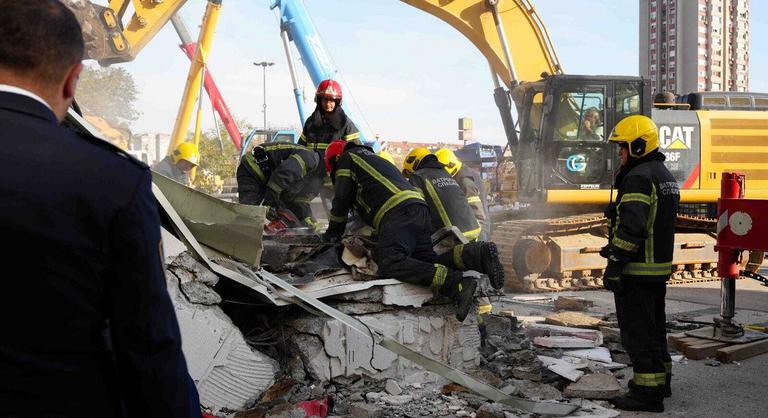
[
  {"x": 589, "y": 197},
  {"x": 150, "y": 16},
  {"x": 531, "y": 49},
  {"x": 195, "y": 76}
]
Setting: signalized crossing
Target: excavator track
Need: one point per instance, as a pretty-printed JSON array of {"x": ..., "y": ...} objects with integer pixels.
[{"x": 525, "y": 246}]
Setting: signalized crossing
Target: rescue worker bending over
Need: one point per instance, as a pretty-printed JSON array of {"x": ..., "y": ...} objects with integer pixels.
[
  {"x": 639, "y": 256},
  {"x": 177, "y": 166},
  {"x": 448, "y": 206},
  {"x": 471, "y": 184},
  {"x": 276, "y": 175},
  {"x": 385, "y": 200}
]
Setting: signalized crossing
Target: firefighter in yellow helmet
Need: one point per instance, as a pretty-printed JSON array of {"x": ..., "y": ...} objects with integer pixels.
[
  {"x": 412, "y": 160},
  {"x": 471, "y": 184},
  {"x": 639, "y": 253},
  {"x": 177, "y": 166}
]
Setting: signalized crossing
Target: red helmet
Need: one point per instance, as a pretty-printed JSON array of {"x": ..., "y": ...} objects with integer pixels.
[
  {"x": 333, "y": 151},
  {"x": 329, "y": 89}
]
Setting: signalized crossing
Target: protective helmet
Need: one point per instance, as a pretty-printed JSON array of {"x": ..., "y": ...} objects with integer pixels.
[
  {"x": 329, "y": 89},
  {"x": 413, "y": 159},
  {"x": 186, "y": 151},
  {"x": 333, "y": 152},
  {"x": 451, "y": 162},
  {"x": 639, "y": 133},
  {"x": 387, "y": 156}
]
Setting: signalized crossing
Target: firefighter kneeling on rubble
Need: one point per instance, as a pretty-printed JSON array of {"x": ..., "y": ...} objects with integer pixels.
[
  {"x": 639, "y": 253},
  {"x": 276, "y": 175}
]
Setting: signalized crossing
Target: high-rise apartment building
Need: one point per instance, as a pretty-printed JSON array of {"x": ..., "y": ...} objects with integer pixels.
[{"x": 695, "y": 45}]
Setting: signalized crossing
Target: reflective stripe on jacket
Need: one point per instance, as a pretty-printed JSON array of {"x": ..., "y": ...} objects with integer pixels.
[
  {"x": 644, "y": 226},
  {"x": 289, "y": 163},
  {"x": 370, "y": 185},
  {"x": 448, "y": 205}
]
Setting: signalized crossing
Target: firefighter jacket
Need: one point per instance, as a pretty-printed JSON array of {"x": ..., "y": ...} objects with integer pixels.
[
  {"x": 319, "y": 130},
  {"x": 470, "y": 182},
  {"x": 643, "y": 221},
  {"x": 370, "y": 185},
  {"x": 281, "y": 167},
  {"x": 448, "y": 205}
]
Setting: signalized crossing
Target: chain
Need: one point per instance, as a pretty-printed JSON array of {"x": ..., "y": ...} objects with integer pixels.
[{"x": 754, "y": 275}]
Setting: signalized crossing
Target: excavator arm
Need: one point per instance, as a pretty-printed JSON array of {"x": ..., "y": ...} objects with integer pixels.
[
  {"x": 109, "y": 37},
  {"x": 487, "y": 22}
]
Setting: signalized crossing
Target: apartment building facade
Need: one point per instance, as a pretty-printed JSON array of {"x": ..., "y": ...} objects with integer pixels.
[{"x": 695, "y": 45}]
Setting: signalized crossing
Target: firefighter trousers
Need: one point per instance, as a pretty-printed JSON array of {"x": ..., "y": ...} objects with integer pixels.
[
  {"x": 642, "y": 320},
  {"x": 404, "y": 247}
]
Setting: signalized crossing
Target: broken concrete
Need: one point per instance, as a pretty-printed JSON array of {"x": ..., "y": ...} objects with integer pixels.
[
  {"x": 563, "y": 336},
  {"x": 573, "y": 319},
  {"x": 568, "y": 303},
  {"x": 594, "y": 386},
  {"x": 227, "y": 372},
  {"x": 329, "y": 349}
]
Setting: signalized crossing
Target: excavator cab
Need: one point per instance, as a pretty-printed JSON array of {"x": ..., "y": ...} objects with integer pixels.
[{"x": 565, "y": 122}]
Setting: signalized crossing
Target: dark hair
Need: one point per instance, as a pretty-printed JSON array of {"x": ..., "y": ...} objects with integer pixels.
[{"x": 41, "y": 38}]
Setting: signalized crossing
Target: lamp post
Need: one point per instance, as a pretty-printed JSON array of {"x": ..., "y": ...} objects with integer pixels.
[{"x": 264, "y": 65}]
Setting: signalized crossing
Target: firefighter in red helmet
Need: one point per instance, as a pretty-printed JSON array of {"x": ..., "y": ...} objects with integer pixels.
[{"x": 327, "y": 123}]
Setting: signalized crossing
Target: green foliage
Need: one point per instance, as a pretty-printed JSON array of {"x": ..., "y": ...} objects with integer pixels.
[
  {"x": 215, "y": 161},
  {"x": 109, "y": 93}
]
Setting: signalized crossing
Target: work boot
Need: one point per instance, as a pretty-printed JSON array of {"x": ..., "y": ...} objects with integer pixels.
[
  {"x": 640, "y": 399},
  {"x": 461, "y": 289},
  {"x": 480, "y": 256}
]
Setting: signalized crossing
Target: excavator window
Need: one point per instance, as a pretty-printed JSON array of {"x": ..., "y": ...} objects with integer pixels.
[
  {"x": 627, "y": 100},
  {"x": 581, "y": 114}
]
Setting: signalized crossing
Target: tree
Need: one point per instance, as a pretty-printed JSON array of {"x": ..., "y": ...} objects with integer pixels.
[
  {"x": 109, "y": 93},
  {"x": 215, "y": 162}
]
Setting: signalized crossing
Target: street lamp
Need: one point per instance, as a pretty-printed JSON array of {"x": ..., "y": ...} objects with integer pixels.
[{"x": 264, "y": 65}]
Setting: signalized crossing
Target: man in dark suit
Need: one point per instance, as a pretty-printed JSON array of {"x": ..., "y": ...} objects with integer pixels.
[{"x": 88, "y": 326}]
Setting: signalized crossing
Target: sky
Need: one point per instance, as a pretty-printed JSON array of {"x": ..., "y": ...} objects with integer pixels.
[{"x": 406, "y": 74}]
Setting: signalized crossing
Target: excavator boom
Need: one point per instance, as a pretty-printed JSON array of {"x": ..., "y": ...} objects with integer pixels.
[{"x": 530, "y": 48}]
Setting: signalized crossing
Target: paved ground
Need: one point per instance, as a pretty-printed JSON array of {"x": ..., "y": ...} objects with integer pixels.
[{"x": 699, "y": 390}]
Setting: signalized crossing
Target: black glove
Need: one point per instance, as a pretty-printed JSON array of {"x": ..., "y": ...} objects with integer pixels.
[
  {"x": 610, "y": 211},
  {"x": 612, "y": 276}
]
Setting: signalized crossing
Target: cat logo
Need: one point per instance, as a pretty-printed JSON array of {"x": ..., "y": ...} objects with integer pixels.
[{"x": 675, "y": 138}]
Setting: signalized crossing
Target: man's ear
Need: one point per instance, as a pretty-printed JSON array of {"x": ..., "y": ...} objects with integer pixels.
[{"x": 70, "y": 82}]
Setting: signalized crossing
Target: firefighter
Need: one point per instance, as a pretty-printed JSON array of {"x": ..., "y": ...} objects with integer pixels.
[
  {"x": 471, "y": 183},
  {"x": 177, "y": 166},
  {"x": 385, "y": 200},
  {"x": 275, "y": 175},
  {"x": 327, "y": 123},
  {"x": 639, "y": 253},
  {"x": 449, "y": 206}
]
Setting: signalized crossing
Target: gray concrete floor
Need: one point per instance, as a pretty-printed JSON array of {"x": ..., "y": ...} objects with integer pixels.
[{"x": 730, "y": 390}]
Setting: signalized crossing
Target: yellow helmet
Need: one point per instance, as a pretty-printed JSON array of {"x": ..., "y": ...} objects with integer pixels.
[
  {"x": 451, "y": 162},
  {"x": 413, "y": 159},
  {"x": 186, "y": 151},
  {"x": 639, "y": 133},
  {"x": 387, "y": 156}
]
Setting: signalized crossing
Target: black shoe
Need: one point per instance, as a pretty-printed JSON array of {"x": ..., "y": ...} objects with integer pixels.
[
  {"x": 491, "y": 265},
  {"x": 629, "y": 402},
  {"x": 465, "y": 297}
]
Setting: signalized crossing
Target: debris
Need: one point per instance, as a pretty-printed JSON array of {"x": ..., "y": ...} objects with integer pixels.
[
  {"x": 530, "y": 298},
  {"x": 538, "y": 391},
  {"x": 317, "y": 408},
  {"x": 598, "y": 354},
  {"x": 564, "y": 367},
  {"x": 594, "y": 386},
  {"x": 500, "y": 325},
  {"x": 621, "y": 358},
  {"x": 567, "y": 303},
  {"x": 591, "y": 338},
  {"x": 199, "y": 293},
  {"x": 365, "y": 410},
  {"x": 286, "y": 410},
  {"x": 563, "y": 342},
  {"x": 742, "y": 351},
  {"x": 452, "y": 388},
  {"x": 507, "y": 312},
  {"x": 532, "y": 373},
  {"x": 278, "y": 393},
  {"x": 592, "y": 410},
  {"x": 677, "y": 358},
  {"x": 392, "y": 387},
  {"x": 525, "y": 320},
  {"x": 490, "y": 410},
  {"x": 573, "y": 319},
  {"x": 396, "y": 399},
  {"x": 713, "y": 363},
  {"x": 611, "y": 334}
]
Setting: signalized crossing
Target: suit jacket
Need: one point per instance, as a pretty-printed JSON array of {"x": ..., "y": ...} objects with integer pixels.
[{"x": 87, "y": 322}]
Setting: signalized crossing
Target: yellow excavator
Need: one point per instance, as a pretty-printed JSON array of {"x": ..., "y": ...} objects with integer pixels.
[{"x": 564, "y": 166}]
